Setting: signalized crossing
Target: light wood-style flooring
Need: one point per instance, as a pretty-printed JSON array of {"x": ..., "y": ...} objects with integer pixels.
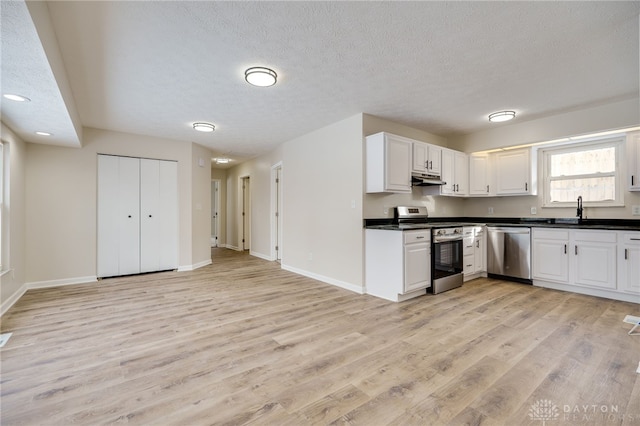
[{"x": 244, "y": 342}]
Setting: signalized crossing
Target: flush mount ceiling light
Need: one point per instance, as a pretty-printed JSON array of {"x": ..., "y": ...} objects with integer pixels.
[
  {"x": 260, "y": 76},
  {"x": 222, "y": 160},
  {"x": 499, "y": 116},
  {"x": 204, "y": 127},
  {"x": 17, "y": 98},
  {"x": 44, "y": 134}
]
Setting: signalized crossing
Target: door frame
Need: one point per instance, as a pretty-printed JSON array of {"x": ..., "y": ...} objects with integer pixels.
[
  {"x": 215, "y": 202},
  {"x": 244, "y": 222},
  {"x": 276, "y": 206}
]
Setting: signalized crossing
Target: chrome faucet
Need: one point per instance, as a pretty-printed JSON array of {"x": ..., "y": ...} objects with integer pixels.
[{"x": 579, "y": 213}]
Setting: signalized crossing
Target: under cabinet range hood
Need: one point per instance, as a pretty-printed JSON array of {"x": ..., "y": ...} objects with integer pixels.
[{"x": 423, "y": 179}]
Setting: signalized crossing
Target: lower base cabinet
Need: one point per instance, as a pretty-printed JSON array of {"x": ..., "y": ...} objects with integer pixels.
[
  {"x": 587, "y": 261},
  {"x": 397, "y": 263}
]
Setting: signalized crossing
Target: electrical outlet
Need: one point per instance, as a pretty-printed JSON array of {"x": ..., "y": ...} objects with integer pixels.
[
  {"x": 490, "y": 210},
  {"x": 635, "y": 210},
  {"x": 534, "y": 210},
  {"x": 386, "y": 211}
]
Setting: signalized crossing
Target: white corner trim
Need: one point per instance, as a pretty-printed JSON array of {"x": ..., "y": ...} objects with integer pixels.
[
  {"x": 186, "y": 268},
  {"x": 61, "y": 282},
  {"x": 261, "y": 256},
  {"x": 11, "y": 300},
  {"x": 328, "y": 280}
]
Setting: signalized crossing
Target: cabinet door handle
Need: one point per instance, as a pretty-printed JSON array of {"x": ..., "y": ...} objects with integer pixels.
[
  {"x": 576, "y": 250},
  {"x": 419, "y": 237},
  {"x": 631, "y": 180},
  {"x": 526, "y": 186},
  {"x": 565, "y": 249},
  {"x": 487, "y": 188},
  {"x": 626, "y": 254},
  {"x": 635, "y": 239},
  {"x": 478, "y": 244}
]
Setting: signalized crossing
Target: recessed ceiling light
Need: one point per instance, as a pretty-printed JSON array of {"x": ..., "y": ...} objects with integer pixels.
[
  {"x": 44, "y": 133},
  {"x": 204, "y": 127},
  {"x": 499, "y": 116},
  {"x": 17, "y": 98},
  {"x": 260, "y": 76}
]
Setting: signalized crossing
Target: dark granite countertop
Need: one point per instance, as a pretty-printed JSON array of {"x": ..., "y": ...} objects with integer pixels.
[{"x": 568, "y": 223}]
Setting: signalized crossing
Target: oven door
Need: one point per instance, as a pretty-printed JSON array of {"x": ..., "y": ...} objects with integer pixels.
[{"x": 447, "y": 264}]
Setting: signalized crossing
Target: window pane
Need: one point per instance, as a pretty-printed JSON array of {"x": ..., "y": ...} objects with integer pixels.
[
  {"x": 591, "y": 161},
  {"x": 592, "y": 189}
]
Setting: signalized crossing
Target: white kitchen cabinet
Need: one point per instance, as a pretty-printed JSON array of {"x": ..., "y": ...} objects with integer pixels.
[
  {"x": 426, "y": 158},
  {"x": 388, "y": 163},
  {"x": 550, "y": 255},
  {"x": 480, "y": 250},
  {"x": 594, "y": 258},
  {"x": 473, "y": 252},
  {"x": 137, "y": 215},
  {"x": 515, "y": 172},
  {"x": 455, "y": 172},
  {"x": 397, "y": 263},
  {"x": 629, "y": 262},
  {"x": 581, "y": 260},
  {"x": 480, "y": 176},
  {"x": 633, "y": 157}
]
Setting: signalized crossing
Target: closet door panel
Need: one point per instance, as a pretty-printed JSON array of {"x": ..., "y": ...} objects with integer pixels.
[
  {"x": 150, "y": 230},
  {"x": 108, "y": 216},
  {"x": 129, "y": 216}
]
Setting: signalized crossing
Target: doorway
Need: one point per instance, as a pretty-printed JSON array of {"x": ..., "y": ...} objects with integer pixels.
[
  {"x": 245, "y": 217},
  {"x": 276, "y": 212},
  {"x": 215, "y": 215}
]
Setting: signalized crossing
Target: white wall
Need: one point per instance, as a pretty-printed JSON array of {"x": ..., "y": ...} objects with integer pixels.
[
  {"x": 381, "y": 205},
  {"x": 200, "y": 205},
  {"x": 61, "y": 202},
  {"x": 11, "y": 283},
  {"x": 322, "y": 178}
]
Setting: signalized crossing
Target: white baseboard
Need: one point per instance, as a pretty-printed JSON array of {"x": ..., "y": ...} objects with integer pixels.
[
  {"x": 328, "y": 280},
  {"x": 61, "y": 282},
  {"x": 11, "y": 300},
  {"x": 7, "y": 304},
  {"x": 186, "y": 268},
  {"x": 261, "y": 256}
]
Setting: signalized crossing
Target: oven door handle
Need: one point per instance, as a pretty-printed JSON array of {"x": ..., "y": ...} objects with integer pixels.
[{"x": 447, "y": 239}]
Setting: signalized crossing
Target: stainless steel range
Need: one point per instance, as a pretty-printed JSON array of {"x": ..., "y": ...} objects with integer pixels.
[
  {"x": 446, "y": 259},
  {"x": 446, "y": 247}
]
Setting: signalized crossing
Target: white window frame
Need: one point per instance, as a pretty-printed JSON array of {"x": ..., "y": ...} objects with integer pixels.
[{"x": 547, "y": 152}]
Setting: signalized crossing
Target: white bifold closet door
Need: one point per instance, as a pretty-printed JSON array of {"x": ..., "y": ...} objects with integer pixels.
[
  {"x": 137, "y": 215},
  {"x": 159, "y": 215}
]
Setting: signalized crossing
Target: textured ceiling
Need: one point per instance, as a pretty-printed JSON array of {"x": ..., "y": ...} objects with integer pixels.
[{"x": 154, "y": 68}]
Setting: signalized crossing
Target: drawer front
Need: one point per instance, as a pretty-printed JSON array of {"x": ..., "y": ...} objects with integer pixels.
[
  {"x": 595, "y": 236},
  {"x": 632, "y": 239},
  {"x": 550, "y": 234},
  {"x": 422, "y": 236}
]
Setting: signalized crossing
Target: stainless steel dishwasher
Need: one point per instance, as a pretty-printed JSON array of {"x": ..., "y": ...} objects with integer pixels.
[{"x": 509, "y": 253}]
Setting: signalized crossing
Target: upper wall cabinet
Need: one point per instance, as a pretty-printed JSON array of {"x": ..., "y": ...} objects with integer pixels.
[
  {"x": 515, "y": 172},
  {"x": 426, "y": 158},
  {"x": 388, "y": 163},
  {"x": 633, "y": 156},
  {"x": 481, "y": 175},
  {"x": 455, "y": 172}
]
